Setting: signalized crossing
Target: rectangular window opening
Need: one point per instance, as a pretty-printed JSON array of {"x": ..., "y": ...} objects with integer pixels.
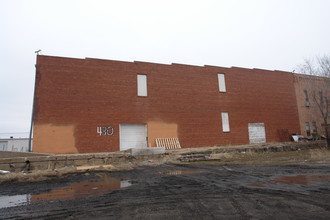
[
  {"x": 321, "y": 97},
  {"x": 307, "y": 103},
  {"x": 306, "y": 96},
  {"x": 142, "y": 85},
  {"x": 221, "y": 82},
  {"x": 225, "y": 122},
  {"x": 308, "y": 130},
  {"x": 314, "y": 127}
]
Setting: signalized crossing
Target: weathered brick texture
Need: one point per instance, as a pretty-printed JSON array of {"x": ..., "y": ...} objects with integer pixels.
[
  {"x": 308, "y": 109},
  {"x": 74, "y": 96}
]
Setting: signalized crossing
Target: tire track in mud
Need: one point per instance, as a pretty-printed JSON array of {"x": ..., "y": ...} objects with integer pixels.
[{"x": 211, "y": 188}]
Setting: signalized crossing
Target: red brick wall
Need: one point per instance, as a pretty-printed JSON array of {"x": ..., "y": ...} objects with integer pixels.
[{"x": 74, "y": 96}]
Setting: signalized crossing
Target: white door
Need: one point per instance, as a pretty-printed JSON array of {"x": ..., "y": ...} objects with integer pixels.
[
  {"x": 133, "y": 136},
  {"x": 257, "y": 133}
]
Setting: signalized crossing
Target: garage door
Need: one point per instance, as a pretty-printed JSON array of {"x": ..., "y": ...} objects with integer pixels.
[
  {"x": 133, "y": 136},
  {"x": 257, "y": 133}
]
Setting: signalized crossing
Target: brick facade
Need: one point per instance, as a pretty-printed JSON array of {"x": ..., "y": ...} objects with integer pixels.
[
  {"x": 309, "y": 112},
  {"x": 75, "y": 96}
]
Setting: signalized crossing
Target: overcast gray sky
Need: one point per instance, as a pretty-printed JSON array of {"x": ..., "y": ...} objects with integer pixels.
[{"x": 268, "y": 34}]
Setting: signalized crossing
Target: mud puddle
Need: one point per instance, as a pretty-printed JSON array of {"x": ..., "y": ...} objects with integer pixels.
[
  {"x": 302, "y": 179},
  {"x": 180, "y": 172},
  {"x": 256, "y": 185},
  {"x": 96, "y": 186}
]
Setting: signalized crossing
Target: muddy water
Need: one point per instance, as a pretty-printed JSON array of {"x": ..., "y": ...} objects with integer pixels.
[
  {"x": 180, "y": 172},
  {"x": 101, "y": 185},
  {"x": 302, "y": 179},
  {"x": 305, "y": 179},
  {"x": 256, "y": 185},
  {"x": 96, "y": 186},
  {"x": 10, "y": 201}
]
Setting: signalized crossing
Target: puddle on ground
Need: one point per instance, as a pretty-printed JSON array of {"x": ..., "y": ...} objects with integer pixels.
[
  {"x": 180, "y": 172},
  {"x": 76, "y": 189},
  {"x": 256, "y": 185},
  {"x": 10, "y": 201},
  {"x": 303, "y": 179}
]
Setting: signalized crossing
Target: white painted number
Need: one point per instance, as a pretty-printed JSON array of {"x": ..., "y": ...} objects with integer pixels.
[{"x": 104, "y": 130}]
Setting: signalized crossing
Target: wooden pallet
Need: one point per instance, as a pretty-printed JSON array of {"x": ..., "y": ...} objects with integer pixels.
[{"x": 168, "y": 143}]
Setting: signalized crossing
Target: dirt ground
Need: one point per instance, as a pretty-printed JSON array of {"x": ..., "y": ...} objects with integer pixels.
[{"x": 281, "y": 185}]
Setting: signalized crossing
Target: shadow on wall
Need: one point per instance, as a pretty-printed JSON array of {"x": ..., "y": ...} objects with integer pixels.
[{"x": 283, "y": 135}]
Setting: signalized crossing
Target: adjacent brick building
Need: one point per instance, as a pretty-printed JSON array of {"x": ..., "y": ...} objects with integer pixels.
[
  {"x": 309, "y": 90},
  {"x": 94, "y": 105}
]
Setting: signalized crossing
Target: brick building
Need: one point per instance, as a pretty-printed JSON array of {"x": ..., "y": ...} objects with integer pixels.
[
  {"x": 309, "y": 90},
  {"x": 94, "y": 105}
]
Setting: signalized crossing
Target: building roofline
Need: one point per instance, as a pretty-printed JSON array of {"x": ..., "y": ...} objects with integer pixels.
[
  {"x": 7, "y": 139},
  {"x": 301, "y": 75},
  {"x": 172, "y": 64}
]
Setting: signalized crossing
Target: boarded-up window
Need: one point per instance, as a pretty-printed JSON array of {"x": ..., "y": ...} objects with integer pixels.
[
  {"x": 225, "y": 122},
  {"x": 142, "y": 85},
  {"x": 222, "y": 83},
  {"x": 257, "y": 133}
]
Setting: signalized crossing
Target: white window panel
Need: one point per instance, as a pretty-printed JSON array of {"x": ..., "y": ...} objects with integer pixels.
[
  {"x": 222, "y": 83},
  {"x": 225, "y": 122},
  {"x": 142, "y": 85}
]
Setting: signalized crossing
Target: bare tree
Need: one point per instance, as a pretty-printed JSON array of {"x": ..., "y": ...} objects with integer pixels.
[{"x": 319, "y": 88}]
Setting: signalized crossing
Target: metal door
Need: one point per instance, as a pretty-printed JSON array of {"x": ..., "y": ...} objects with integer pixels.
[{"x": 133, "y": 136}]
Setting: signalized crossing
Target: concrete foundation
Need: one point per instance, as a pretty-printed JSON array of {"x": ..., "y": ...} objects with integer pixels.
[
  {"x": 147, "y": 151},
  {"x": 52, "y": 162}
]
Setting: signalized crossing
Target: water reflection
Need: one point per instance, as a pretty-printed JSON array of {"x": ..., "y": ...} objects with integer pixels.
[
  {"x": 304, "y": 179},
  {"x": 180, "y": 172},
  {"x": 102, "y": 185},
  {"x": 256, "y": 185},
  {"x": 10, "y": 201}
]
